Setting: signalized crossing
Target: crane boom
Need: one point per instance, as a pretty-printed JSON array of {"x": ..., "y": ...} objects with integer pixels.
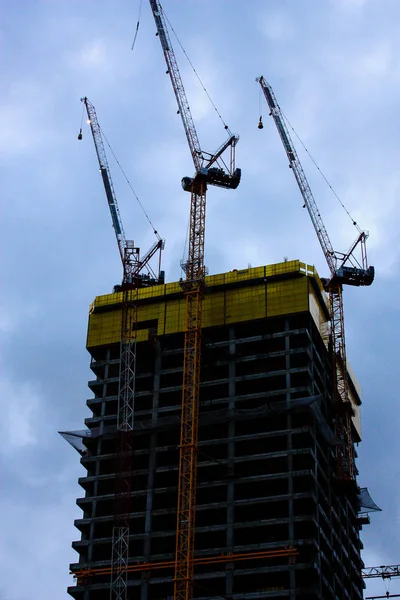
[
  {"x": 299, "y": 174},
  {"x": 106, "y": 175},
  {"x": 358, "y": 273},
  {"x": 202, "y": 160},
  {"x": 132, "y": 263},
  {"x": 177, "y": 84}
]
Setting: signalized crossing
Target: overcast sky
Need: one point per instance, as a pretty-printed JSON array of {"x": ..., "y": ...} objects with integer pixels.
[{"x": 335, "y": 69}]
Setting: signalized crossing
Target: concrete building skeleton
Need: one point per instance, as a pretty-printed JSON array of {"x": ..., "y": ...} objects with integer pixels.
[{"x": 266, "y": 462}]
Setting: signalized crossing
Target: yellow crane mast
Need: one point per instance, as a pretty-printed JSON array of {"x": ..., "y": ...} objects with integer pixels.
[{"x": 193, "y": 285}]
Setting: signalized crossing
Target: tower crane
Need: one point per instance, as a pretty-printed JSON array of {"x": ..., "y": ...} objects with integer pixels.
[
  {"x": 133, "y": 278},
  {"x": 384, "y": 571},
  {"x": 345, "y": 269},
  {"x": 193, "y": 286}
]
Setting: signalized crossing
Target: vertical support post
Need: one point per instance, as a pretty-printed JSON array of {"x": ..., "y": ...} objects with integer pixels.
[
  {"x": 289, "y": 441},
  {"x": 230, "y": 488}
]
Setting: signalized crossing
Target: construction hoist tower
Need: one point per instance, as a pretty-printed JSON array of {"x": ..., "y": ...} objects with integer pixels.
[
  {"x": 132, "y": 280},
  {"x": 345, "y": 269},
  {"x": 193, "y": 285}
]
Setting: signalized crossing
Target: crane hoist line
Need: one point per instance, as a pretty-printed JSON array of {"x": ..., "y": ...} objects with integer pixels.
[
  {"x": 210, "y": 169},
  {"x": 345, "y": 269},
  {"x": 133, "y": 278}
]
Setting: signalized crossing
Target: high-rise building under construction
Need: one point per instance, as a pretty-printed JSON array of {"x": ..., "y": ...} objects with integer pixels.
[{"x": 272, "y": 519}]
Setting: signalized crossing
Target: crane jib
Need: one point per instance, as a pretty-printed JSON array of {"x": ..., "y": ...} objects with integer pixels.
[
  {"x": 283, "y": 135},
  {"x": 270, "y": 100},
  {"x": 161, "y": 32},
  {"x": 111, "y": 203}
]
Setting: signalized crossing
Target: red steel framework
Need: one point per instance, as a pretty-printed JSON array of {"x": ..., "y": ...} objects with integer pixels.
[{"x": 344, "y": 268}]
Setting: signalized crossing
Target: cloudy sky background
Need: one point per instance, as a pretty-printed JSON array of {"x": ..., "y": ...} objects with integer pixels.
[{"x": 335, "y": 69}]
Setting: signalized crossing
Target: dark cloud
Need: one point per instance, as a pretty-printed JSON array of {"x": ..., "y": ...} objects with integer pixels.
[{"x": 336, "y": 72}]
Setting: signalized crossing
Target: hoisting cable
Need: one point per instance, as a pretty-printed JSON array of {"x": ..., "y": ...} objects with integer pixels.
[
  {"x": 130, "y": 185},
  {"x": 260, "y": 107},
  {"x": 322, "y": 174},
  {"x": 137, "y": 25},
  {"x": 80, "y": 130},
  {"x": 197, "y": 75},
  {"x": 386, "y": 581}
]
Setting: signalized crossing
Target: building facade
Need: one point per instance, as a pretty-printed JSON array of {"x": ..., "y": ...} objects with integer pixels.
[{"x": 266, "y": 461}]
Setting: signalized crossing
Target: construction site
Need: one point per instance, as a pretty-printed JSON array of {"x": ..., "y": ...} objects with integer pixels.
[{"x": 220, "y": 454}]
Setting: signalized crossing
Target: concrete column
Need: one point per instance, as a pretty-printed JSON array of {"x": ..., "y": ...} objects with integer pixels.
[
  {"x": 230, "y": 517},
  {"x": 289, "y": 445},
  {"x": 144, "y": 588}
]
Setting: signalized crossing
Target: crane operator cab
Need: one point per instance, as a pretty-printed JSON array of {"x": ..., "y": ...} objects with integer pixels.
[
  {"x": 354, "y": 276},
  {"x": 350, "y": 276},
  {"x": 213, "y": 176}
]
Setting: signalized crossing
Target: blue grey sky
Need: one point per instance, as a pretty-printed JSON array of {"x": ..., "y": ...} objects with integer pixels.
[{"x": 335, "y": 69}]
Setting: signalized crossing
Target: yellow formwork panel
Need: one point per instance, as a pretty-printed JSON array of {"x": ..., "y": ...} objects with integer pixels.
[
  {"x": 174, "y": 316},
  {"x": 245, "y": 304},
  {"x": 151, "y": 292},
  {"x": 172, "y": 288},
  {"x": 292, "y": 266},
  {"x": 289, "y": 266},
  {"x": 142, "y": 335},
  {"x": 212, "y": 280},
  {"x": 148, "y": 312},
  {"x": 244, "y": 274},
  {"x": 143, "y": 294},
  {"x": 104, "y": 328},
  {"x": 250, "y": 302},
  {"x": 107, "y": 299},
  {"x": 214, "y": 309},
  {"x": 287, "y": 296}
]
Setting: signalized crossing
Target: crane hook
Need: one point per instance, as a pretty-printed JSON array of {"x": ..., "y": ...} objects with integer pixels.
[
  {"x": 80, "y": 134},
  {"x": 260, "y": 124}
]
